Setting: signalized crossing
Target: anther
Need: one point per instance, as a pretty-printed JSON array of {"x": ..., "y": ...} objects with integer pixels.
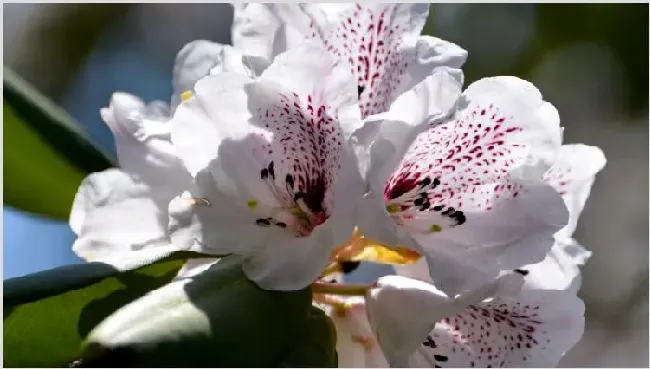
[
  {"x": 262, "y": 222},
  {"x": 186, "y": 95},
  {"x": 271, "y": 170},
  {"x": 348, "y": 267},
  {"x": 195, "y": 200},
  {"x": 289, "y": 180},
  {"x": 425, "y": 182}
]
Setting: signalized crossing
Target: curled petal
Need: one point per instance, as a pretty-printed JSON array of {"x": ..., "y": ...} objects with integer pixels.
[
  {"x": 142, "y": 137},
  {"x": 560, "y": 269},
  {"x": 572, "y": 175},
  {"x": 119, "y": 220}
]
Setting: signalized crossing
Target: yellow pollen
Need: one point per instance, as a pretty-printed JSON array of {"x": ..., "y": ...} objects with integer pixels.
[
  {"x": 435, "y": 228},
  {"x": 393, "y": 208},
  {"x": 252, "y": 204},
  {"x": 186, "y": 95}
]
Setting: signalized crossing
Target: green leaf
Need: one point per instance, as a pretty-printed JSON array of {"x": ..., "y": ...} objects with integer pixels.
[
  {"x": 218, "y": 319},
  {"x": 317, "y": 344},
  {"x": 47, "y": 315},
  {"x": 46, "y": 154}
]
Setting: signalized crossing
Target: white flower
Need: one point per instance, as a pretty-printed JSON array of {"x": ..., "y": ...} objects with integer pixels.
[
  {"x": 467, "y": 193},
  {"x": 120, "y": 215},
  {"x": 381, "y": 43},
  {"x": 275, "y": 179},
  {"x": 518, "y": 325},
  {"x": 572, "y": 176}
]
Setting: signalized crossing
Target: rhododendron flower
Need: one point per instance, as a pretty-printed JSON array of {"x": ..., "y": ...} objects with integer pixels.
[
  {"x": 120, "y": 215},
  {"x": 380, "y": 43},
  {"x": 275, "y": 179},
  {"x": 468, "y": 193}
]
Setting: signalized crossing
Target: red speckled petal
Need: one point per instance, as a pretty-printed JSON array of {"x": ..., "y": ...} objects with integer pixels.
[{"x": 533, "y": 329}]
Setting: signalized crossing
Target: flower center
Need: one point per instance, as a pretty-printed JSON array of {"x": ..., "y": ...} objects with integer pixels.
[{"x": 298, "y": 211}]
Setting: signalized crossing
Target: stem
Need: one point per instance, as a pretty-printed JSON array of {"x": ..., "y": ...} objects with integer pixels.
[{"x": 340, "y": 289}]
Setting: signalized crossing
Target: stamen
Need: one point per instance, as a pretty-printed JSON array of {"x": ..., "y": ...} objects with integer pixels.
[
  {"x": 289, "y": 180},
  {"x": 435, "y": 228},
  {"x": 252, "y": 204},
  {"x": 195, "y": 200},
  {"x": 349, "y": 266},
  {"x": 186, "y": 95},
  {"x": 360, "y": 90},
  {"x": 340, "y": 289},
  {"x": 393, "y": 208},
  {"x": 262, "y": 222}
]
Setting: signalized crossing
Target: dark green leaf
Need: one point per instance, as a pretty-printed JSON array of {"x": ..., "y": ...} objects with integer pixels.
[
  {"x": 317, "y": 344},
  {"x": 219, "y": 319},
  {"x": 47, "y": 315},
  {"x": 46, "y": 154}
]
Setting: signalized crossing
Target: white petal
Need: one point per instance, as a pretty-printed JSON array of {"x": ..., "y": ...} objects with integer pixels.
[
  {"x": 254, "y": 29},
  {"x": 517, "y": 233},
  {"x": 402, "y": 311},
  {"x": 201, "y": 123},
  {"x": 200, "y": 58},
  {"x": 533, "y": 329},
  {"x": 309, "y": 70},
  {"x": 213, "y": 222},
  {"x": 193, "y": 62},
  {"x": 389, "y": 135},
  {"x": 291, "y": 264},
  {"x": 469, "y": 189},
  {"x": 120, "y": 220},
  {"x": 572, "y": 175},
  {"x": 142, "y": 137}
]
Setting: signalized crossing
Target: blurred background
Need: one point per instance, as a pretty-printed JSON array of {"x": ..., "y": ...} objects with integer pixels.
[{"x": 589, "y": 60}]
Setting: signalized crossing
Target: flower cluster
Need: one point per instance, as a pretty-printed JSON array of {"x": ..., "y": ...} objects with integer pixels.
[{"x": 331, "y": 134}]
